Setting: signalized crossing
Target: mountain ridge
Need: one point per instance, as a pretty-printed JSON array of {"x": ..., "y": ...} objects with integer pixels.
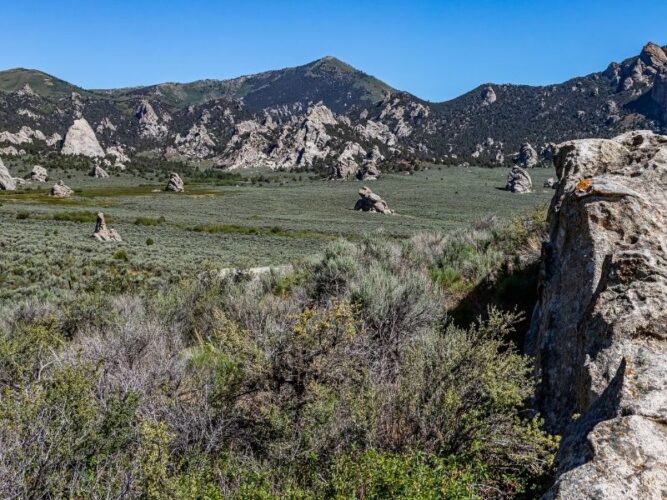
[
  {"x": 326, "y": 58},
  {"x": 327, "y": 114}
]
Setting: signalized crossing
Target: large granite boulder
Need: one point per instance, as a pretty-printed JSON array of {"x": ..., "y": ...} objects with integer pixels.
[
  {"x": 98, "y": 172},
  {"x": 102, "y": 232},
  {"x": 371, "y": 202},
  {"x": 527, "y": 157},
  {"x": 7, "y": 182},
  {"x": 518, "y": 181},
  {"x": 599, "y": 329},
  {"x": 60, "y": 190},
  {"x": 175, "y": 183},
  {"x": 38, "y": 174},
  {"x": 369, "y": 172},
  {"x": 81, "y": 140}
]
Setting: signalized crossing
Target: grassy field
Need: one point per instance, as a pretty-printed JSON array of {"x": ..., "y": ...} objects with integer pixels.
[{"x": 46, "y": 245}]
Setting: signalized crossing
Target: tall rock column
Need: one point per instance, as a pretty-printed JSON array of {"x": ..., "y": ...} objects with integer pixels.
[{"x": 599, "y": 330}]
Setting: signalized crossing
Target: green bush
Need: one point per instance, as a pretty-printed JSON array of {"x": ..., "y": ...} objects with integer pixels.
[
  {"x": 345, "y": 378},
  {"x": 121, "y": 254},
  {"x": 376, "y": 474}
]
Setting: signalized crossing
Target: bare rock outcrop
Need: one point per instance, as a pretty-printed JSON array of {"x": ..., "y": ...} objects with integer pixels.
[
  {"x": 527, "y": 157},
  {"x": 119, "y": 155},
  {"x": 518, "y": 181},
  {"x": 175, "y": 183},
  {"x": 80, "y": 140},
  {"x": 98, "y": 172},
  {"x": 377, "y": 131},
  {"x": 7, "y": 182},
  {"x": 309, "y": 143},
  {"x": 488, "y": 96},
  {"x": 60, "y": 190},
  {"x": 599, "y": 329},
  {"x": 12, "y": 151},
  {"x": 23, "y": 136},
  {"x": 102, "y": 232},
  {"x": 196, "y": 144},
  {"x": 297, "y": 142},
  {"x": 38, "y": 174},
  {"x": 371, "y": 202},
  {"x": 347, "y": 165},
  {"x": 369, "y": 172},
  {"x": 150, "y": 125}
]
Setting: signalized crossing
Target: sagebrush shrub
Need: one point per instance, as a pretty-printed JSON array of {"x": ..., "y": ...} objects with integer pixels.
[{"x": 341, "y": 377}]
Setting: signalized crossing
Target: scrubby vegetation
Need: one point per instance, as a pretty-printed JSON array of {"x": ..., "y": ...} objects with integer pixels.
[
  {"x": 345, "y": 377},
  {"x": 382, "y": 364}
]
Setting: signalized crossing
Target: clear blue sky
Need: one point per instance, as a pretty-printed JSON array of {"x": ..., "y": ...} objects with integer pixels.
[{"x": 434, "y": 49}]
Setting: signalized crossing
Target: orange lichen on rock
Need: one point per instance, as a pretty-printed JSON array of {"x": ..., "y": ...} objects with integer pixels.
[{"x": 584, "y": 185}]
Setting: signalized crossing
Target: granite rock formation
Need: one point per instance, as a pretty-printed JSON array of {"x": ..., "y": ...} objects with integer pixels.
[
  {"x": 599, "y": 330},
  {"x": 102, "y": 232},
  {"x": 518, "y": 181},
  {"x": 370, "y": 202},
  {"x": 175, "y": 183},
  {"x": 60, "y": 190}
]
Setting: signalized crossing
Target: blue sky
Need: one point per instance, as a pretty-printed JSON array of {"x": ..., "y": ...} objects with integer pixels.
[{"x": 434, "y": 49}]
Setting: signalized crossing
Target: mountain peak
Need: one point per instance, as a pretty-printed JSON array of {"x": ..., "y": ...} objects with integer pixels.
[
  {"x": 331, "y": 62},
  {"x": 654, "y": 55}
]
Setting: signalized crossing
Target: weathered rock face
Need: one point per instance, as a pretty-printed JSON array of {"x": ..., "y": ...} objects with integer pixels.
[
  {"x": 518, "y": 181},
  {"x": 23, "y": 136},
  {"x": 309, "y": 143},
  {"x": 175, "y": 183},
  {"x": 488, "y": 96},
  {"x": 369, "y": 172},
  {"x": 60, "y": 190},
  {"x": 527, "y": 157},
  {"x": 120, "y": 157},
  {"x": 98, "y": 172},
  {"x": 39, "y": 174},
  {"x": 371, "y": 202},
  {"x": 81, "y": 140},
  {"x": 7, "y": 182},
  {"x": 196, "y": 144},
  {"x": 150, "y": 125},
  {"x": 599, "y": 330},
  {"x": 347, "y": 165},
  {"x": 102, "y": 232}
]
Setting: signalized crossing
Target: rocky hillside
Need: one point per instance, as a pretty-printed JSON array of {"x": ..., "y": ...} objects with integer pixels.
[
  {"x": 338, "y": 84},
  {"x": 326, "y": 115}
]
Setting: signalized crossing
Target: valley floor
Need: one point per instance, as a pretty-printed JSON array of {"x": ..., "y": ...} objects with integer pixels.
[{"x": 46, "y": 245}]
